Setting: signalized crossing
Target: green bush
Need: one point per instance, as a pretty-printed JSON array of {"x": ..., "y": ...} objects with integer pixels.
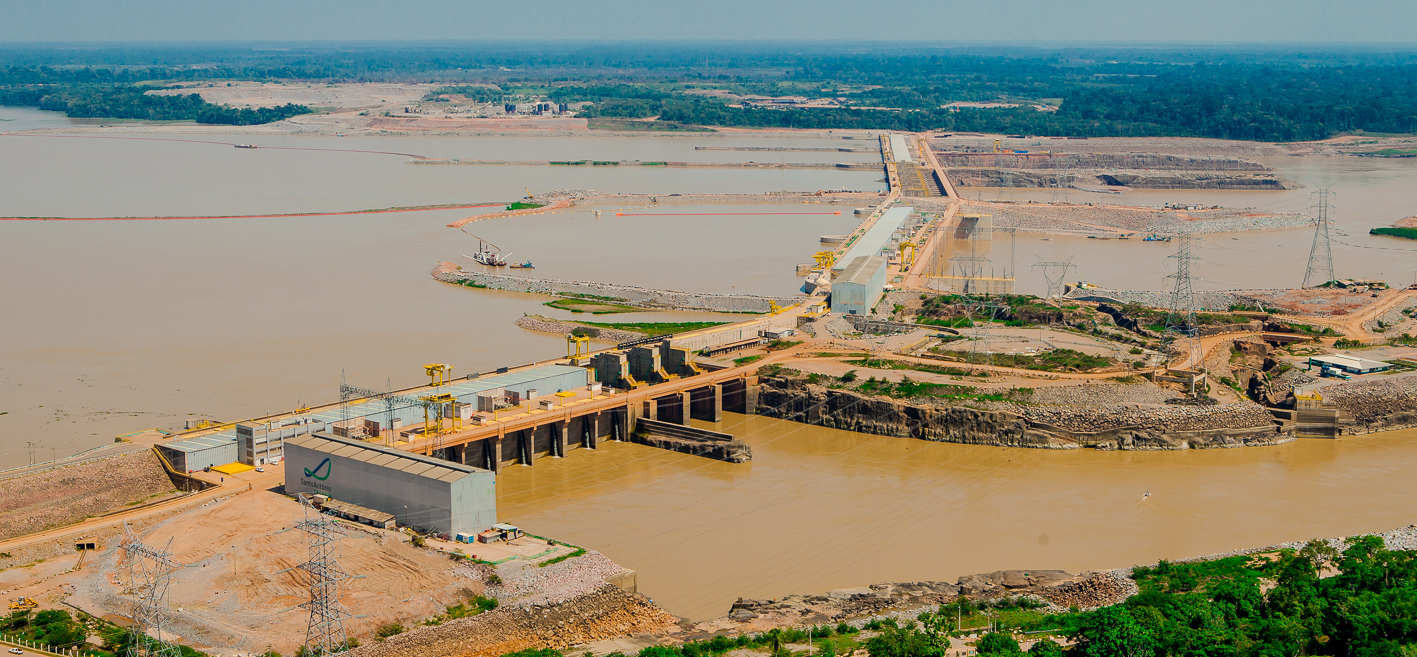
[
  {"x": 388, "y": 629},
  {"x": 997, "y": 643},
  {"x": 540, "y": 652}
]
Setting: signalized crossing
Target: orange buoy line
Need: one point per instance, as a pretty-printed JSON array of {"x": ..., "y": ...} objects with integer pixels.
[
  {"x": 713, "y": 214},
  {"x": 429, "y": 208}
]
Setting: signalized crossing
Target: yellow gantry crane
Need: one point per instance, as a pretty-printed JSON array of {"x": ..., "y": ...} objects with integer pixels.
[
  {"x": 580, "y": 342},
  {"x": 906, "y": 261},
  {"x": 824, "y": 259},
  {"x": 438, "y": 373}
]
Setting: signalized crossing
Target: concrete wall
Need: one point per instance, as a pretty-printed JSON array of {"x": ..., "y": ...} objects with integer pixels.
[{"x": 465, "y": 505}]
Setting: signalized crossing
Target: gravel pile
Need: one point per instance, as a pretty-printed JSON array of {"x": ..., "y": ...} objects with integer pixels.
[
  {"x": 1102, "y": 394},
  {"x": 556, "y": 583}
]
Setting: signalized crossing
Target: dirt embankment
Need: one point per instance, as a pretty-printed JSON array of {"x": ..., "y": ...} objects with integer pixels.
[
  {"x": 65, "y": 495},
  {"x": 605, "y": 613}
]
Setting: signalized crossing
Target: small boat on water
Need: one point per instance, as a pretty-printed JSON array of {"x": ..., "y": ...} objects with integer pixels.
[
  {"x": 1156, "y": 238},
  {"x": 244, "y": 145},
  {"x": 524, "y": 265}
]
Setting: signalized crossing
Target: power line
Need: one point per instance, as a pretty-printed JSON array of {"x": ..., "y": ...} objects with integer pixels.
[{"x": 1320, "y": 269}]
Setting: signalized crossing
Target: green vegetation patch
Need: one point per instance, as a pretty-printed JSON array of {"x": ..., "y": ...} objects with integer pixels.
[
  {"x": 1057, "y": 360},
  {"x": 579, "y": 552},
  {"x": 523, "y": 205},
  {"x": 591, "y": 306},
  {"x": 892, "y": 364},
  {"x": 1409, "y": 233},
  {"x": 747, "y": 359},
  {"x": 624, "y": 125},
  {"x": 655, "y": 328},
  {"x": 909, "y": 389},
  {"x": 117, "y": 101}
]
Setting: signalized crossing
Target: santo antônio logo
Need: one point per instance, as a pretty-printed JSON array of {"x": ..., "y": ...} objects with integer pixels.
[{"x": 324, "y": 465}]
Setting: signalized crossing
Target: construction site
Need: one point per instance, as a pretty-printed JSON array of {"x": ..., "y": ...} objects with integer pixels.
[{"x": 322, "y": 527}]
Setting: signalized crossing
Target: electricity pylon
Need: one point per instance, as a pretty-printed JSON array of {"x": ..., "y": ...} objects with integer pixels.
[
  {"x": 324, "y": 635},
  {"x": 149, "y": 574},
  {"x": 1320, "y": 269}
]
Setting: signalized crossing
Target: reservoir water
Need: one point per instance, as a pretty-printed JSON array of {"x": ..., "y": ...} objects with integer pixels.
[{"x": 115, "y": 326}]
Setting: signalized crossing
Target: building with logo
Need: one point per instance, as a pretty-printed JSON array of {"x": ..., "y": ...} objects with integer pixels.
[{"x": 428, "y": 494}]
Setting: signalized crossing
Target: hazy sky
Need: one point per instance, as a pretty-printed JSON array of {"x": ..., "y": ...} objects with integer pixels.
[{"x": 1134, "y": 21}]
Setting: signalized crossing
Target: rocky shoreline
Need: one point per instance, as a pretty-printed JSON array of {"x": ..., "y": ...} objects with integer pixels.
[
  {"x": 548, "y": 325},
  {"x": 628, "y": 294}
]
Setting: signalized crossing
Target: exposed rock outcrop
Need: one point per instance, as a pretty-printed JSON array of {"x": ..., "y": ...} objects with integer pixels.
[
  {"x": 1128, "y": 427},
  {"x": 606, "y": 613}
]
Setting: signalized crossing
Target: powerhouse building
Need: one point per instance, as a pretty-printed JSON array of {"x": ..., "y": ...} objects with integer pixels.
[
  {"x": 857, "y": 289},
  {"x": 428, "y": 494}
]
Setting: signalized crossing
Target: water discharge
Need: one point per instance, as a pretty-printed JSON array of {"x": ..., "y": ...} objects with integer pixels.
[{"x": 819, "y": 508}]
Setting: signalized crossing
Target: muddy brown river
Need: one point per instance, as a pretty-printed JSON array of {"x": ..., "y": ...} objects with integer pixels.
[
  {"x": 111, "y": 327},
  {"x": 819, "y": 508}
]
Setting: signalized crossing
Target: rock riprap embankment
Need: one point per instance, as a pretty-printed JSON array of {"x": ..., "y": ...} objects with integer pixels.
[
  {"x": 548, "y": 325},
  {"x": 1153, "y": 417},
  {"x": 1376, "y": 404},
  {"x": 629, "y": 294},
  {"x": 65, "y": 495}
]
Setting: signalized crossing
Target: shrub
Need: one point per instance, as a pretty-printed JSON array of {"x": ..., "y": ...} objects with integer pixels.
[
  {"x": 387, "y": 630},
  {"x": 543, "y": 652},
  {"x": 997, "y": 643}
]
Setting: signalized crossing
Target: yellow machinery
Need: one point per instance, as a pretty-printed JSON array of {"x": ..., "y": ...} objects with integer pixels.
[
  {"x": 774, "y": 308},
  {"x": 997, "y": 148},
  {"x": 438, "y": 373},
  {"x": 580, "y": 342},
  {"x": 23, "y": 604},
  {"x": 433, "y": 414},
  {"x": 906, "y": 261},
  {"x": 825, "y": 259}
]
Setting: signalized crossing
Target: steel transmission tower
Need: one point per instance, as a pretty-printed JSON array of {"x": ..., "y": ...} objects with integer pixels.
[
  {"x": 1320, "y": 268},
  {"x": 325, "y": 633},
  {"x": 1181, "y": 316},
  {"x": 1053, "y": 274},
  {"x": 149, "y": 573}
]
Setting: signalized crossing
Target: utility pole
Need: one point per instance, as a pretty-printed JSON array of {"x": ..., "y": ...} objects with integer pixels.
[{"x": 1320, "y": 269}]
